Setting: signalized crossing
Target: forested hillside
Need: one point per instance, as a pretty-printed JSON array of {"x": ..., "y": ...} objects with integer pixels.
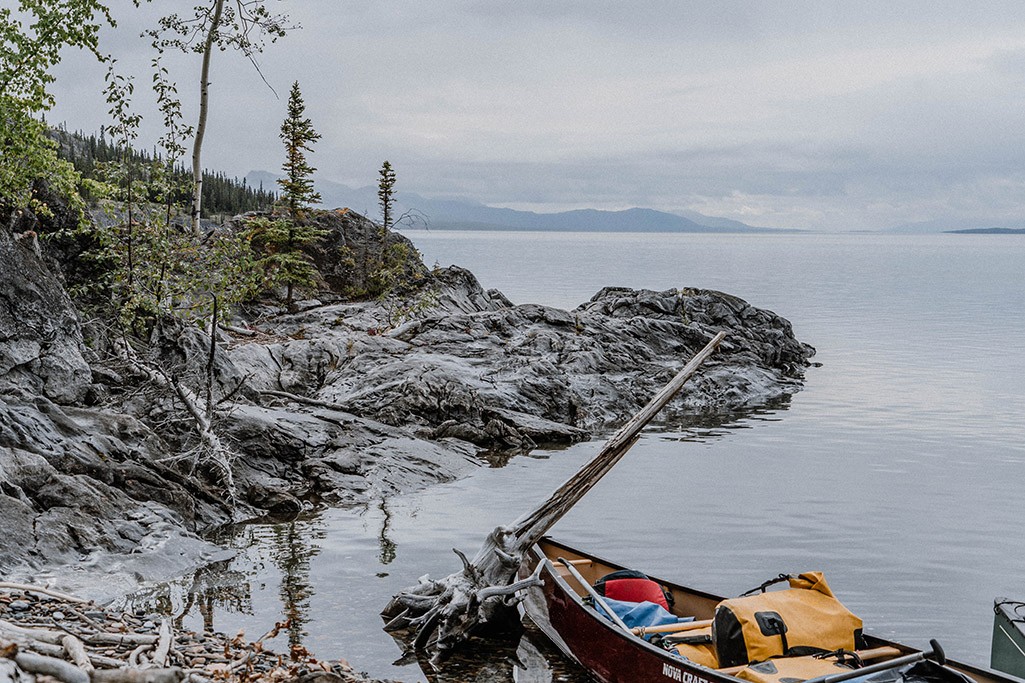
[{"x": 222, "y": 195}]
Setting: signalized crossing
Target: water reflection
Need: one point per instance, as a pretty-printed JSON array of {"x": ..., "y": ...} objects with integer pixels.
[
  {"x": 707, "y": 426},
  {"x": 527, "y": 659},
  {"x": 329, "y": 572},
  {"x": 388, "y": 546},
  {"x": 211, "y": 590},
  {"x": 294, "y": 544},
  {"x": 209, "y": 597}
]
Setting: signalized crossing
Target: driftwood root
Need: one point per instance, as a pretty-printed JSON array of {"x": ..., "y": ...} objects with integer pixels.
[{"x": 447, "y": 612}]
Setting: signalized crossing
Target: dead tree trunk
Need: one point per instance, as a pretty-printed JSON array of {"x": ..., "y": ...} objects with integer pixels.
[
  {"x": 211, "y": 449},
  {"x": 455, "y": 606}
]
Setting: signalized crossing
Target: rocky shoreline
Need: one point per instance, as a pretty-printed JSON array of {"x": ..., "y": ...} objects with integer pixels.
[
  {"x": 76, "y": 641},
  {"x": 331, "y": 402}
]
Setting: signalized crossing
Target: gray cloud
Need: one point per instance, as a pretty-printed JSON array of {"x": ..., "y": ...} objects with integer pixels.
[{"x": 818, "y": 114}]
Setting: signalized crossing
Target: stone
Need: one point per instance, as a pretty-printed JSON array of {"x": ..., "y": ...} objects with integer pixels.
[{"x": 40, "y": 339}]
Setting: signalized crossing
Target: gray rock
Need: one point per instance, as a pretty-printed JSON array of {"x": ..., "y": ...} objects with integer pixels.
[
  {"x": 40, "y": 340},
  {"x": 394, "y": 394},
  {"x": 500, "y": 376},
  {"x": 78, "y": 498},
  {"x": 338, "y": 456}
]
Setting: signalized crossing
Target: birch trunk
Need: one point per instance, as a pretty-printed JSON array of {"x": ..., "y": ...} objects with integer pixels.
[{"x": 204, "y": 102}]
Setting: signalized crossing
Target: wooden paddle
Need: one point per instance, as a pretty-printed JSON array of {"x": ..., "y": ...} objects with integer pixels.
[
  {"x": 671, "y": 628},
  {"x": 429, "y": 605}
]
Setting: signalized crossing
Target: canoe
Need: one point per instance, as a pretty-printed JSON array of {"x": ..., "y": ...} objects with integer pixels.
[
  {"x": 614, "y": 655},
  {"x": 1008, "y": 653}
]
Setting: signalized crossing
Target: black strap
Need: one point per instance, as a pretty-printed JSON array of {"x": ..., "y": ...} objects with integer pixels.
[
  {"x": 761, "y": 589},
  {"x": 845, "y": 657}
]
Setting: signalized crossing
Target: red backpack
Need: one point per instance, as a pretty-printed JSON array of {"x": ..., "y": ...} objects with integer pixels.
[{"x": 632, "y": 586}]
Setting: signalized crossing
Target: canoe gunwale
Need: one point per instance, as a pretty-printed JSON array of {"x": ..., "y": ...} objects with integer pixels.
[
  {"x": 610, "y": 641},
  {"x": 604, "y": 642},
  {"x": 615, "y": 631}
]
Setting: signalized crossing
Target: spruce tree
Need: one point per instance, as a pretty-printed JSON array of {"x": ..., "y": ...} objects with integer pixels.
[
  {"x": 386, "y": 193},
  {"x": 282, "y": 239},
  {"x": 298, "y": 134}
]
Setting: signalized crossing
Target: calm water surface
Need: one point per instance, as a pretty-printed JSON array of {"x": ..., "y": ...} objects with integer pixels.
[{"x": 899, "y": 470}]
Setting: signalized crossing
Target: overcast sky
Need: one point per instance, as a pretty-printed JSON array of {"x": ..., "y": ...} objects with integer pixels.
[{"x": 831, "y": 115}]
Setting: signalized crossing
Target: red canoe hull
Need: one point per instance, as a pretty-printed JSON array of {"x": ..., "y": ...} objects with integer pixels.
[
  {"x": 614, "y": 656},
  {"x": 609, "y": 654}
]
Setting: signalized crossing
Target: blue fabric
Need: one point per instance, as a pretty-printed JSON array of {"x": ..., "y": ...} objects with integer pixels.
[{"x": 641, "y": 613}]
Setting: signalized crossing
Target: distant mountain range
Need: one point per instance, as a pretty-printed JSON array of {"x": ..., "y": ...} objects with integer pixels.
[
  {"x": 990, "y": 231},
  {"x": 456, "y": 214},
  {"x": 451, "y": 214},
  {"x": 960, "y": 225}
]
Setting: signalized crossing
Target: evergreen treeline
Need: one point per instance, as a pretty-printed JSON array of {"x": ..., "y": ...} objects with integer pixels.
[{"x": 221, "y": 194}]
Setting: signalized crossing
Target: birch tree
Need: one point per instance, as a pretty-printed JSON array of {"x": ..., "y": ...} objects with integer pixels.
[{"x": 216, "y": 25}]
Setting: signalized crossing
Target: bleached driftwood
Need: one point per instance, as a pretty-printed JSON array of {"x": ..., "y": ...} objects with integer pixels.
[
  {"x": 163, "y": 649},
  {"x": 257, "y": 646},
  {"x": 41, "y": 590},
  {"x": 305, "y": 400},
  {"x": 244, "y": 331},
  {"x": 56, "y": 644},
  {"x": 50, "y": 666},
  {"x": 10, "y": 673},
  {"x": 168, "y": 675},
  {"x": 27, "y": 650},
  {"x": 57, "y": 651},
  {"x": 446, "y": 612},
  {"x": 120, "y": 639},
  {"x": 76, "y": 650},
  {"x": 137, "y": 658},
  {"x": 14, "y": 631},
  {"x": 57, "y": 637}
]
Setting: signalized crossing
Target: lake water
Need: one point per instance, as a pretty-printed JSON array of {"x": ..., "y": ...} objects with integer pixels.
[{"x": 899, "y": 470}]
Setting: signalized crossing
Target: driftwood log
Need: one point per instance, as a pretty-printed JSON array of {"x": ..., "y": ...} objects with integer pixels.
[
  {"x": 55, "y": 640},
  {"x": 446, "y": 612}
]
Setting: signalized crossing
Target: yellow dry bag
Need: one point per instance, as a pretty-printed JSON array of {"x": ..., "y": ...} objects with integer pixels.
[
  {"x": 797, "y": 669},
  {"x": 695, "y": 645},
  {"x": 803, "y": 619}
]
